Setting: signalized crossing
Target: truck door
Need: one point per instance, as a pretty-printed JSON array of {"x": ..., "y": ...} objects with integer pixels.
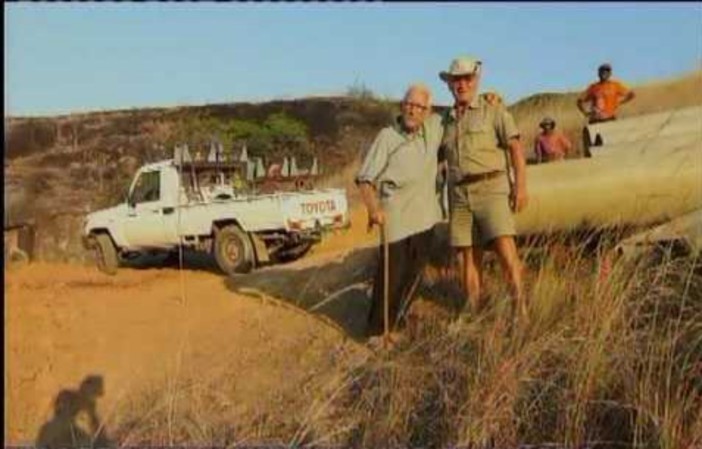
[{"x": 146, "y": 216}]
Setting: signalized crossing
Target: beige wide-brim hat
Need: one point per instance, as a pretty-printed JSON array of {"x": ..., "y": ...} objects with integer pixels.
[{"x": 463, "y": 65}]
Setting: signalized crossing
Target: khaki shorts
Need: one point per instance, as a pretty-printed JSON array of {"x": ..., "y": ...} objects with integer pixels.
[{"x": 480, "y": 213}]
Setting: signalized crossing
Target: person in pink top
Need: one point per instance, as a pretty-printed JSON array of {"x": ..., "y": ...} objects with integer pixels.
[{"x": 551, "y": 145}]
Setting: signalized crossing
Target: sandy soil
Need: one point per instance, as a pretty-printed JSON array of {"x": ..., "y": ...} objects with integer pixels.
[{"x": 66, "y": 322}]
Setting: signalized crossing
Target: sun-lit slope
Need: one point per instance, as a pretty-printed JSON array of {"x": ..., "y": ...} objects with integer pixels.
[
  {"x": 154, "y": 326},
  {"x": 632, "y": 188}
]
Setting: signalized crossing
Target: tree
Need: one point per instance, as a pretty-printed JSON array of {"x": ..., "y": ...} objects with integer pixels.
[
  {"x": 360, "y": 91},
  {"x": 240, "y": 132},
  {"x": 287, "y": 133},
  {"x": 279, "y": 133}
]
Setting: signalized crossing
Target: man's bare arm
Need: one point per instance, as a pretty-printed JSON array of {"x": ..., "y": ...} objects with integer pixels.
[
  {"x": 519, "y": 191},
  {"x": 628, "y": 97},
  {"x": 582, "y": 101},
  {"x": 567, "y": 145},
  {"x": 369, "y": 196}
]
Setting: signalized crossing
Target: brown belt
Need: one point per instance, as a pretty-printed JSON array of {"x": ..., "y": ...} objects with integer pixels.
[{"x": 472, "y": 179}]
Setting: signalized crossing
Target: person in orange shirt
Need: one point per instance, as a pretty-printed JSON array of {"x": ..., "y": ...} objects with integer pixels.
[
  {"x": 551, "y": 145},
  {"x": 604, "y": 97}
]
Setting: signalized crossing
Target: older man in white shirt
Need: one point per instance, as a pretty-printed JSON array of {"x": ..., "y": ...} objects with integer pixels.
[{"x": 398, "y": 185}]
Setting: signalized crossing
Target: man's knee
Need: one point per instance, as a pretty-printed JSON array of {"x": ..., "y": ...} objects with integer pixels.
[
  {"x": 506, "y": 250},
  {"x": 471, "y": 264}
]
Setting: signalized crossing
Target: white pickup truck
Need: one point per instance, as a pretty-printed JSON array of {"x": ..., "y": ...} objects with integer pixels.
[{"x": 205, "y": 206}]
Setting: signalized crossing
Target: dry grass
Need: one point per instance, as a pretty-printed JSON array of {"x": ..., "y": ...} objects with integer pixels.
[
  {"x": 612, "y": 357},
  {"x": 609, "y": 359}
]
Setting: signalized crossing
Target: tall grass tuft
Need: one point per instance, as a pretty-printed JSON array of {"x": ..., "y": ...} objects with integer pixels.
[{"x": 611, "y": 358}]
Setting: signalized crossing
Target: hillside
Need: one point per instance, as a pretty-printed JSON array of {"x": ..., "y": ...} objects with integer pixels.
[{"x": 59, "y": 168}]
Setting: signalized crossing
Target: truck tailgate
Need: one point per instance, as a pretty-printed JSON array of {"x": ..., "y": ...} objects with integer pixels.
[{"x": 316, "y": 209}]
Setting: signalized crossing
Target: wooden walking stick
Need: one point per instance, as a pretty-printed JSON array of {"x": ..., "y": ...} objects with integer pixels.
[
  {"x": 371, "y": 202},
  {"x": 386, "y": 283}
]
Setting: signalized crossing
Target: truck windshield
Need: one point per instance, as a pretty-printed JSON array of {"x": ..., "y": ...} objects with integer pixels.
[{"x": 147, "y": 188}]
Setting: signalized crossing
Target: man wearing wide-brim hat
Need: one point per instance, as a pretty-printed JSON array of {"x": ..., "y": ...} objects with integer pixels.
[{"x": 482, "y": 146}]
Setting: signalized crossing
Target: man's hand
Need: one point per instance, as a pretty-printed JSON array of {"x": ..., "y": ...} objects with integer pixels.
[
  {"x": 581, "y": 107},
  {"x": 627, "y": 97},
  {"x": 370, "y": 199},
  {"x": 518, "y": 198},
  {"x": 518, "y": 192},
  {"x": 375, "y": 216}
]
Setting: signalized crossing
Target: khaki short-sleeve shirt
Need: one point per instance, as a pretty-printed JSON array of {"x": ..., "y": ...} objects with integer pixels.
[{"x": 476, "y": 142}]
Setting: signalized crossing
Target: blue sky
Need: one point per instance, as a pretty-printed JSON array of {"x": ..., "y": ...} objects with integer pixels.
[{"x": 62, "y": 58}]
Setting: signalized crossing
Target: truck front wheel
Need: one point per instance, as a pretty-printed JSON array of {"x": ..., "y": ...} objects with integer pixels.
[
  {"x": 233, "y": 250},
  {"x": 105, "y": 254}
]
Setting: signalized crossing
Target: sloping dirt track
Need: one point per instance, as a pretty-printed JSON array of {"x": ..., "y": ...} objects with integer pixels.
[{"x": 148, "y": 326}]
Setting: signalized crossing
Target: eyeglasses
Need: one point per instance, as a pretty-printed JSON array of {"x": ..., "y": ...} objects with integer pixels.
[
  {"x": 468, "y": 77},
  {"x": 410, "y": 105}
]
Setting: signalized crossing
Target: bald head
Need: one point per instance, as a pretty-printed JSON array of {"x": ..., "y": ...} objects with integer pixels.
[
  {"x": 416, "y": 106},
  {"x": 419, "y": 89}
]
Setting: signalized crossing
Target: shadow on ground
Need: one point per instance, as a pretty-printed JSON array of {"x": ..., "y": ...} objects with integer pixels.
[
  {"x": 338, "y": 288},
  {"x": 76, "y": 423},
  {"x": 191, "y": 260}
]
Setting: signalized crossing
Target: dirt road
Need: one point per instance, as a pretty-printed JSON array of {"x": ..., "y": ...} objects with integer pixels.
[{"x": 63, "y": 323}]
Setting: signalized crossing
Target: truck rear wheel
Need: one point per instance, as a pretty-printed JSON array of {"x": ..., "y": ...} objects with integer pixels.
[
  {"x": 233, "y": 250},
  {"x": 105, "y": 254}
]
